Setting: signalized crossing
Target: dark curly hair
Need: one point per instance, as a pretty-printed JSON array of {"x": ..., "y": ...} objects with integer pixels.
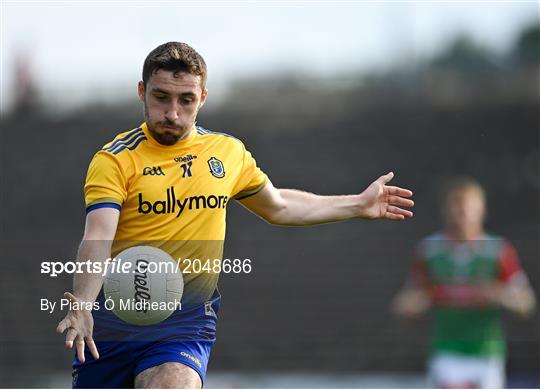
[{"x": 174, "y": 57}]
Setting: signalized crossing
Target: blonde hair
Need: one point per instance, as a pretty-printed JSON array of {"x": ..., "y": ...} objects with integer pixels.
[{"x": 460, "y": 183}]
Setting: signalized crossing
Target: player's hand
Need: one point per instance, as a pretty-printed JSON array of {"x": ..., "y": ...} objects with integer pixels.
[
  {"x": 515, "y": 298},
  {"x": 382, "y": 201},
  {"x": 79, "y": 325},
  {"x": 411, "y": 303}
]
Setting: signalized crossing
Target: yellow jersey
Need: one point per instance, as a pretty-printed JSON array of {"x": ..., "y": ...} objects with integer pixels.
[{"x": 173, "y": 197}]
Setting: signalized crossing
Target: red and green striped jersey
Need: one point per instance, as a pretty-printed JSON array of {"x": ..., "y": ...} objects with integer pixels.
[{"x": 454, "y": 272}]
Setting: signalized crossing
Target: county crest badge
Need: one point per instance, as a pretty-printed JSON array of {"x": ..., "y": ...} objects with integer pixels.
[{"x": 216, "y": 167}]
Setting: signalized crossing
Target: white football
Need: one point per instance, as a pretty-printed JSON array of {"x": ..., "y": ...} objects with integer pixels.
[{"x": 147, "y": 290}]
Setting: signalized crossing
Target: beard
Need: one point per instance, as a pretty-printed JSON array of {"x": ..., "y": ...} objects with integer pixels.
[{"x": 166, "y": 137}]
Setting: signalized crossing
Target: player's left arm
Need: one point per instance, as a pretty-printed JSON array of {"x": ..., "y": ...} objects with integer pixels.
[
  {"x": 298, "y": 208},
  {"x": 518, "y": 296},
  {"x": 513, "y": 290}
]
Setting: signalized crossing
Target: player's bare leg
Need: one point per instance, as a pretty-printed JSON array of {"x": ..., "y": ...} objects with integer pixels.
[{"x": 168, "y": 376}]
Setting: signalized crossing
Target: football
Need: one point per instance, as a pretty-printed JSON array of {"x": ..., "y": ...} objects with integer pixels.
[{"x": 143, "y": 285}]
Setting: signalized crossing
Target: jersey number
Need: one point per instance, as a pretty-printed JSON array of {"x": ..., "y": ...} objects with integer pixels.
[{"x": 186, "y": 169}]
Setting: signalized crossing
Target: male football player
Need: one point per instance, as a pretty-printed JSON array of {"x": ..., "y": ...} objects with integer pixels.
[
  {"x": 167, "y": 183},
  {"x": 466, "y": 275}
]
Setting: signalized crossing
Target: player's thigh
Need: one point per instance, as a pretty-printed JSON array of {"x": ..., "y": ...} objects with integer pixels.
[{"x": 168, "y": 375}]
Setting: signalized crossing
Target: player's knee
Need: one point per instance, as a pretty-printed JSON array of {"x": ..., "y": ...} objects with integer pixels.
[{"x": 168, "y": 376}]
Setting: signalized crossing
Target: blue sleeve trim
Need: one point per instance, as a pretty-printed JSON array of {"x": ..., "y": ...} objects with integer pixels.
[
  {"x": 103, "y": 205},
  {"x": 204, "y": 131}
]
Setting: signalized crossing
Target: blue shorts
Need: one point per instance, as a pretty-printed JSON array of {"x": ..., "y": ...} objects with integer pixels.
[{"x": 125, "y": 350}]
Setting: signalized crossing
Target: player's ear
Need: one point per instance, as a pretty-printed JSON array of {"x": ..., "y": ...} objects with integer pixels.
[
  {"x": 140, "y": 90},
  {"x": 484, "y": 212},
  {"x": 203, "y": 97}
]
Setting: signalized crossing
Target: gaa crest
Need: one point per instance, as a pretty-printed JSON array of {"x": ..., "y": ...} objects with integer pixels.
[{"x": 216, "y": 167}]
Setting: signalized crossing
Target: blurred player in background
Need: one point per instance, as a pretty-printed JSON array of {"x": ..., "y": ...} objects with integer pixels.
[
  {"x": 169, "y": 181},
  {"x": 466, "y": 275}
]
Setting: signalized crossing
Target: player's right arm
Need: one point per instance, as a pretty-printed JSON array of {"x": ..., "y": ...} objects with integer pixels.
[
  {"x": 105, "y": 191},
  {"x": 99, "y": 233},
  {"x": 414, "y": 299}
]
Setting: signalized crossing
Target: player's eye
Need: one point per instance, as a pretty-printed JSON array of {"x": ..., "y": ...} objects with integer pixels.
[
  {"x": 187, "y": 101},
  {"x": 160, "y": 97}
]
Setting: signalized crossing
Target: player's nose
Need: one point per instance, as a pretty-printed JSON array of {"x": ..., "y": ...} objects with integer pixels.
[{"x": 172, "y": 113}]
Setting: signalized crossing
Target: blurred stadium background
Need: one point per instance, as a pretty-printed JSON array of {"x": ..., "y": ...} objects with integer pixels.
[{"x": 425, "y": 90}]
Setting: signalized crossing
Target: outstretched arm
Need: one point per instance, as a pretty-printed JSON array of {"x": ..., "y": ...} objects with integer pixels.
[{"x": 299, "y": 208}]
